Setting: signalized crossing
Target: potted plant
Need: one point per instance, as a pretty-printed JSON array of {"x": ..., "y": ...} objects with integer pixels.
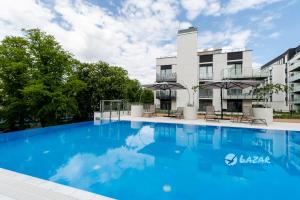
[
  {"x": 265, "y": 111},
  {"x": 137, "y": 107}
]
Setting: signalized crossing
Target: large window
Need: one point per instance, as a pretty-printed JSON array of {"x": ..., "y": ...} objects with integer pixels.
[
  {"x": 206, "y": 72},
  {"x": 234, "y": 92},
  {"x": 235, "y": 55},
  {"x": 205, "y": 93},
  {"x": 235, "y": 68},
  {"x": 165, "y": 104},
  {"x": 203, "y": 103},
  {"x": 166, "y": 71},
  {"x": 234, "y": 105}
]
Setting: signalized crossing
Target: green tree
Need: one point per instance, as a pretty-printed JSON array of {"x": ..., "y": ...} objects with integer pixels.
[
  {"x": 41, "y": 82},
  {"x": 147, "y": 96},
  {"x": 15, "y": 63},
  {"x": 133, "y": 91},
  {"x": 103, "y": 82},
  {"x": 52, "y": 88},
  {"x": 264, "y": 91}
]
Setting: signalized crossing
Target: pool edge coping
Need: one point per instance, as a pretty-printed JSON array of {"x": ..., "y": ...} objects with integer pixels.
[{"x": 12, "y": 178}]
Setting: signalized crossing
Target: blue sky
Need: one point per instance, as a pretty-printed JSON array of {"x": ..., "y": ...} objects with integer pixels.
[{"x": 132, "y": 33}]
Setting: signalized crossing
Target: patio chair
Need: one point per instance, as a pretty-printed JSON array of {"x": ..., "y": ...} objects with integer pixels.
[
  {"x": 178, "y": 113},
  {"x": 248, "y": 116},
  {"x": 151, "y": 111},
  {"x": 211, "y": 114}
]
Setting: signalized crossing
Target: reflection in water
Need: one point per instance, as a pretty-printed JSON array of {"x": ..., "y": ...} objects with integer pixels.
[
  {"x": 84, "y": 170},
  {"x": 117, "y": 158}
]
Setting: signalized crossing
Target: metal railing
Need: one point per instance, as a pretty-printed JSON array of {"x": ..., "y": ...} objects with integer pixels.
[
  {"x": 165, "y": 94},
  {"x": 172, "y": 77},
  {"x": 112, "y": 108}
]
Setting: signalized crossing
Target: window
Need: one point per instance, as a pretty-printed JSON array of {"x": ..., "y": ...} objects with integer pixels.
[
  {"x": 234, "y": 91},
  {"x": 235, "y": 55},
  {"x": 236, "y": 68},
  {"x": 205, "y": 93},
  {"x": 206, "y": 72},
  {"x": 206, "y": 58},
  {"x": 165, "y": 104},
  {"x": 234, "y": 105},
  {"x": 166, "y": 70},
  {"x": 203, "y": 104}
]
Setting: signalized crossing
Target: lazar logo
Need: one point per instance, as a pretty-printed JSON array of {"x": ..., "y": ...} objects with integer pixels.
[{"x": 232, "y": 159}]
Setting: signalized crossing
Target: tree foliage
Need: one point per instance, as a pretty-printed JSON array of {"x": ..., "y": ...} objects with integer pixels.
[
  {"x": 147, "y": 96},
  {"x": 263, "y": 92},
  {"x": 41, "y": 82}
]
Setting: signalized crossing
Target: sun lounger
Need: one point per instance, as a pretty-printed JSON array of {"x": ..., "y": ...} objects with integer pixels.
[
  {"x": 178, "y": 113},
  {"x": 248, "y": 116},
  {"x": 150, "y": 112},
  {"x": 211, "y": 114}
]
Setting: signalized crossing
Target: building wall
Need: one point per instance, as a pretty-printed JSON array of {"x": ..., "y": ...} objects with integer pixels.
[
  {"x": 187, "y": 67},
  {"x": 278, "y": 77}
]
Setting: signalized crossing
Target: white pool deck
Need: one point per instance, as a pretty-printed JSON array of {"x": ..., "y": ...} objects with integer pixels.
[
  {"x": 16, "y": 186},
  {"x": 227, "y": 123}
]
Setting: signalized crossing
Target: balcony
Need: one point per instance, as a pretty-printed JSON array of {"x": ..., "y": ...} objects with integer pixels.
[
  {"x": 295, "y": 101},
  {"x": 205, "y": 77},
  {"x": 295, "y": 78},
  {"x": 165, "y": 95},
  {"x": 255, "y": 74},
  {"x": 172, "y": 77},
  {"x": 296, "y": 89},
  {"x": 295, "y": 66},
  {"x": 240, "y": 96},
  {"x": 205, "y": 94}
]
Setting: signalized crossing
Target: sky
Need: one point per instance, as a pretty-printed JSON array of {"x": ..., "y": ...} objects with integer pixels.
[{"x": 132, "y": 33}]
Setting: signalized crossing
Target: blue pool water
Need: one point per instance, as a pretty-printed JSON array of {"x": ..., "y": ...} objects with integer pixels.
[{"x": 141, "y": 160}]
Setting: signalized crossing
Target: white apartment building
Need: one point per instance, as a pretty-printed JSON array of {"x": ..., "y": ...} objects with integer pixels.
[
  {"x": 285, "y": 69},
  {"x": 191, "y": 66}
]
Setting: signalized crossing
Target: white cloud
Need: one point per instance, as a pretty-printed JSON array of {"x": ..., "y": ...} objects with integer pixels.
[
  {"x": 229, "y": 38},
  {"x": 235, "y": 6},
  {"x": 274, "y": 35},
  {"x": 132, "y": 38},
  {"x": 196, "y": 7}
]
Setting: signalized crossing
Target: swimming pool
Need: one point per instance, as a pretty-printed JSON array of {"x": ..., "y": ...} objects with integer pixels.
[{"x": 143, "y": 160}]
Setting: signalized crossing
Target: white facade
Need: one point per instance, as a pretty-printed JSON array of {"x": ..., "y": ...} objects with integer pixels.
[
  {"x": 284, "y": 70},
  {"x": 191, "y": 66},
  {"x": 294, "y": 81}
]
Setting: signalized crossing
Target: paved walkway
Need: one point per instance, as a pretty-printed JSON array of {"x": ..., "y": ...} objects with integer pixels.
[
  {"x": 16, "y": 186},
  {"x": 274, "y": 125}
]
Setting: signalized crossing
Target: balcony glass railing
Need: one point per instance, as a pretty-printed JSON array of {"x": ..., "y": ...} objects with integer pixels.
[
  {"x": 295, "y": 66},
  {"x": 295, "y": 78},
  {"x": 232, "y": 73},
  {"x": 205, "y": 93},
  {"x": 171, "y": 77},
  {"x": 296, "y": 88},
  {"x": 165, "y": 94},
  {"x": 240, "y": 96},
  {"x": 205, "y": 76},
  {"x": 295, "y": 100}
]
